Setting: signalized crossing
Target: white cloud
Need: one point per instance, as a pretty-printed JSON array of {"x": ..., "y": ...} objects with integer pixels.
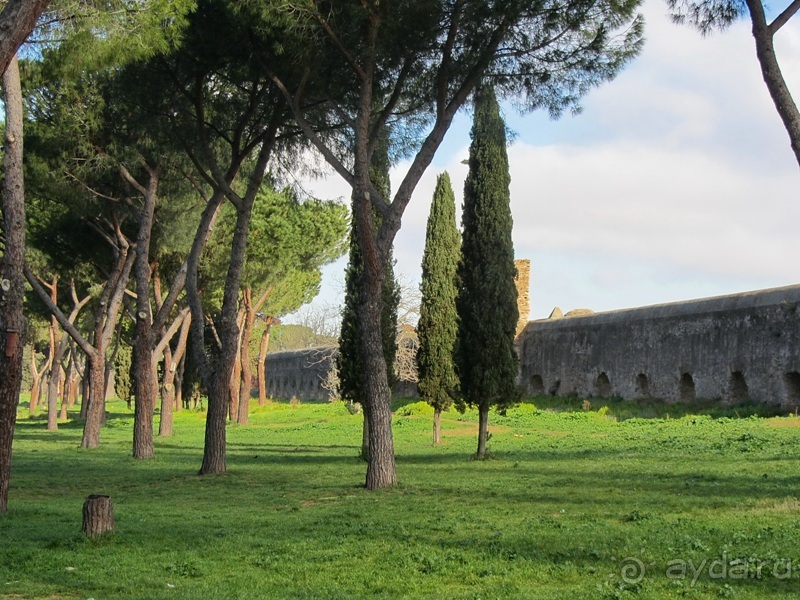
[{"x": 677, "y": 181}]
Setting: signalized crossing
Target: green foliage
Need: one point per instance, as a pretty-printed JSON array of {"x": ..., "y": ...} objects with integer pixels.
[
  {"x": 487, "y": 295},
  {"x": 438, "y": 319},
  {"x": 420, "y": 408},
  {"x": 123, "y": 380},
  {"x": 565, "y": 501},
  {"x": 289, "y": 241},
  {"x": 348, "y": 360}
]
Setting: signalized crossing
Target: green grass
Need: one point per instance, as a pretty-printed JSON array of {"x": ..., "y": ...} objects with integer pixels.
[{"x": 565, "y": 498}]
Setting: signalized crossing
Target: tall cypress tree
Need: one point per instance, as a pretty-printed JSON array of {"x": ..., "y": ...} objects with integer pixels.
[
  {"x": 487, "y": 296},
  {"x": 349, "y": 361},
  {"x": 438, "y": 319}
]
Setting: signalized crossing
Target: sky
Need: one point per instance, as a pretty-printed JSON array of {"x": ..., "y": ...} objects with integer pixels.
[{"x": 675, "y": 182}]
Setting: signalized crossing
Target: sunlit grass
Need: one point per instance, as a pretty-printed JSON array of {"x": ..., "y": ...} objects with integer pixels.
[{"x": 564, "y": 499}]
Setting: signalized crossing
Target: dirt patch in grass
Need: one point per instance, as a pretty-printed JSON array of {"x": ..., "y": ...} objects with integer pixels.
[
  {"x": 787, "y": 505},
  {"x": 785, "y": 422}
]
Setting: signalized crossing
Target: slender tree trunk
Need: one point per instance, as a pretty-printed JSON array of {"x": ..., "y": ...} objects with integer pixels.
[
  {"x": 437, "y": 426},
  {"x": 167, "y": 395},
  {"x": 235, "y": 388},
  {"x": 52, "y": 394},
  {"x": 771, "y": 72},
  {"x": 483, "y": 431},
  {"x": 36, "y": 379},
  {"x": 179, "y": 405},
  {"x": 244, "y": 352},
  {"x": 12, "y": 320},
  {"x": 145, "y": 382},
  {"x": 171, "y": 365},
  {"x": 69, "y": 384},
  {"x": 262, "y": 364}
]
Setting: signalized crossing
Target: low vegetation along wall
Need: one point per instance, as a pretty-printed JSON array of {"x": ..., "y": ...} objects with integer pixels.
[{"x": 732, "y": 348}]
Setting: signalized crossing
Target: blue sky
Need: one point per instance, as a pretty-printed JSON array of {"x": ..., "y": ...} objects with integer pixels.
[{"x": 675, "y": 182}]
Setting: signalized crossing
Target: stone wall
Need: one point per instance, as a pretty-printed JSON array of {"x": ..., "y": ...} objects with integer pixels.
[
  {"x": 299, "y": 373},
  {"x": 731, "y": 348},
  {"x": 523, "y": 283}
]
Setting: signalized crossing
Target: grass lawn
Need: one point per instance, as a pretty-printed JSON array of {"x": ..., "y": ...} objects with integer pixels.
[{"x": 570, "y": 505}]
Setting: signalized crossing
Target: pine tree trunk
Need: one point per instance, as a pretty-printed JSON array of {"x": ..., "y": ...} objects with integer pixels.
[
  {"x": 381, "y": 471},
  {"x": 262, "y": 364},
  {"x": 167, "y": 395},
  {"x": 483, "y": 431},
  {"x": 52, "y": 396},
  {"x": 12, "y": 319},
  {"x": 96, "y": 405},
  {"x": 143, "y": 446},
  {"x": 244, "y": 357},
  {"x": 772, "y": 75},
  {"x": 36, "y": 379},
  {"x": 214, "y": 459},
  {"x": 437, "y": 426}
]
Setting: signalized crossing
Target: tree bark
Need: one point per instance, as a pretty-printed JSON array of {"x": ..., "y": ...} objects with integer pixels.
[
  {"x": 98, "y": 516},
  {"x": 52, "y": 392},
  {"x": 262, "y": 364},
  {"x": 171, "y": 362},
  {"x": 69, "y": 386},
  {"x": 483, "y": 431},
  {"x": 771, "y": 72},
  {"x": 437, "y": 426},
  {"x": 145, "y": 384},
  {"x": 36, "y": 380},
  {"x": 12, "y": 319},
  {"x": 16, "y": 23},
  {"x": 245, "y": 382}
]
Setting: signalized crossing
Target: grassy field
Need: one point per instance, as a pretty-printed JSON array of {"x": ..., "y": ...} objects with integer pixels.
[{"x": 576, "y": 503}]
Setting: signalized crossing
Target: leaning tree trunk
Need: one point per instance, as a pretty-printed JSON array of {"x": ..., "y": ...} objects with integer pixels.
[
  {"x": 771, "y": 73},
  {"x": 437, "y": 426},
  {"x": 246, "y": 381},
  {"x": 12, "y": 319}
]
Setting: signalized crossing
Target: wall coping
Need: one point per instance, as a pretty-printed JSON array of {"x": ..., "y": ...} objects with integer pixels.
[{"x": 702, "y": 306}]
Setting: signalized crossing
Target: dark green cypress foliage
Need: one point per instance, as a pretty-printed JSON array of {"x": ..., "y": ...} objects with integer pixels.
[
  {"x": 348, "y": 362},
  {"x": 487, "y": 296},
  {"x": 438, "y": 319}
]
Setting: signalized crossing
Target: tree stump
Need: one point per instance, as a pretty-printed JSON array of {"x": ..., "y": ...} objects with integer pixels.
[{"x": 98, "y": 516}]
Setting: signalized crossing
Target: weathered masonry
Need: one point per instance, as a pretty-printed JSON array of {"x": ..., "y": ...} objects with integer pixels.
[
  {"x": 299, "y": 373},
  {"x": 732, "y": 348}
]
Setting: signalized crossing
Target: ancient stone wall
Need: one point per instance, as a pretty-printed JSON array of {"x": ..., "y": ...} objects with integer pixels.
[
  {"x": 299, "y": 373},
  {"x": 523, "y": 283},
  {"x": 732, "y": 348}
]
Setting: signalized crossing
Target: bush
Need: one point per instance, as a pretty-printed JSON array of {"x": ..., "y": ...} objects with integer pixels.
[{"x": 414, "y": 409}]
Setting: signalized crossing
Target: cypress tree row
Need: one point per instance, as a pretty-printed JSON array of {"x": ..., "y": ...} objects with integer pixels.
[
  {"x": 349, "y": 361},
  {"x": 487, "y": 296},
  {"x": 438, "y": 319}
]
